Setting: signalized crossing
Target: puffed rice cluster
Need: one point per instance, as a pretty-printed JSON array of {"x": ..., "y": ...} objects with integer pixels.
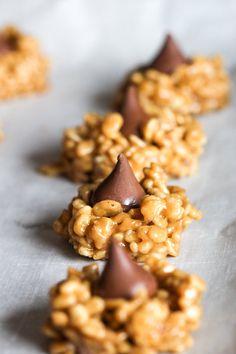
[
  {"x": 197, "y": 87},
  {"x": 82, "y": 321},
  {"x": 1, "y": 134},
  {"x": 171, "y": 140},
  {"x": 24, "y": 69},
  {"x": 152, "y": 230}
]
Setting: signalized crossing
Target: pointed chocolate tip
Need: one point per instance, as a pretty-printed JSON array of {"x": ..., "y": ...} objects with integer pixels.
[
  {"x": 122, "y": 277},
  {"x": 169, "y": 58},
  {"x": 6, "y": 45},
  {"x": 121, "y": 185},
  {"x": 132, "y": 112}
]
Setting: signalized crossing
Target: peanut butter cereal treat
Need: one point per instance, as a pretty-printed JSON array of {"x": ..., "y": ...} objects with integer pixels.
[
  {"x": 147, "y": 218},
  {"x": 125, "y": 310},
  {"x": 1, "y": 135},
  {"x": 23, "y": 68},
  {"x": 190, "y": 86},
  {"x": 172, "y": 140}
]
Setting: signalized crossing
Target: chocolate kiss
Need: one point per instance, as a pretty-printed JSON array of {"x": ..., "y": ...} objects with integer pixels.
[
  {"x": 122, "y": 277},
  {"x": 132, "y": 112},
  {"x": 169, "y": 57},
  {"x": 5, "y": 45},
  {"x": 121, "y": 185}
]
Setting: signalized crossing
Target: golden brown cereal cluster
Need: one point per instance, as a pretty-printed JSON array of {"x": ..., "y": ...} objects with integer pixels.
[
  {"x": 1, "y": 134},
  {"x": 152, "y": 230},
  {"x": 198, "y": 87},
  {"x": 82, "y": 321},
  {"x": 171, "y": 140},
  {"x": 22, "y": 70}
]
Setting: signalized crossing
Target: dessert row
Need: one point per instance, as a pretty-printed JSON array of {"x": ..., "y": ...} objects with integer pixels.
[
  {"x": 126, "y": 211},
  {"x": 152, "y": 121}
]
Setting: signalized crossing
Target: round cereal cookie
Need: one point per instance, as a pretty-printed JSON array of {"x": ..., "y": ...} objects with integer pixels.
[
  {"x": 23, "y": 69},
  {"x": 171, "y": 140},
  {"x": 185, "y": 85},
  {"x": 125, "y": 309},
  {"x": 1, "y": 134},
  {"x": 147, "y": 217}
]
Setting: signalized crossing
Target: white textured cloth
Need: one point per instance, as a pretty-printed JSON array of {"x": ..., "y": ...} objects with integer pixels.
[{"x": 91, "y": 45}]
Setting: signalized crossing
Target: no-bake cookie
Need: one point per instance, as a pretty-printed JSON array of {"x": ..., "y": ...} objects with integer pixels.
[
  {"x": 147, "y": 218},
  {"x": 23, "y": 69},
  {"x": 185, "y": 85},
  {"x": 1, "y": 134},
  {"x": 172, "y": 140},
  {"x": 125, "y": 310}
]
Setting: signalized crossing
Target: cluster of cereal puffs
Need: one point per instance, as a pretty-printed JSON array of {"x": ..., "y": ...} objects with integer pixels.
[
  {"x": 1, "y": 134},
  {"x": 125, "y": 310},
  {"x": 152, "y": 122},
  {"x": 186, "y": 85},
  {"x": 23, "y": 69},
  {"x": 125, "y": 212},
  {"x": 147, "y": 218},
  {"x": 172, "y": 140}
]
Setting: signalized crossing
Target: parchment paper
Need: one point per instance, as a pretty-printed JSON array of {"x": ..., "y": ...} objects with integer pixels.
[{"x": 92, "y": 44}]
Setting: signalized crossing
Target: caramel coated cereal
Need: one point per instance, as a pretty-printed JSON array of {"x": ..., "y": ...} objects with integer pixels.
[
  {"x": 82, "y": 321},
  {"x": 171, "y": 140},
  {"x": 23, "y": 69},
  {"x": 151, "y": 230},
  {"x": 200, "y": 86}
]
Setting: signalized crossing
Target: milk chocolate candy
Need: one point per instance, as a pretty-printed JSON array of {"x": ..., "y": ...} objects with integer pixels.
[
  {"x": 169, "y": 58},
  {"x": 122, "y": 277},
  {"x": 121, "y": 185},
  {"x": 132, "y": 112},
  {"x": 6, "y": 45}
]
